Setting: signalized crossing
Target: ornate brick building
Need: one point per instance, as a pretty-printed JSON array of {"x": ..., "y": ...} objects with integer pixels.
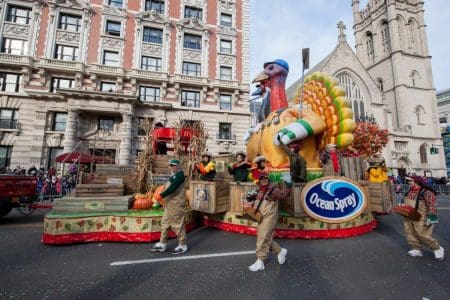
[{"x": 81, "y": 75}]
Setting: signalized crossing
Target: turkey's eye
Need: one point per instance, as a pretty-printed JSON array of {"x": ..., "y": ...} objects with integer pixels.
[{"x": 271, "y": 67}]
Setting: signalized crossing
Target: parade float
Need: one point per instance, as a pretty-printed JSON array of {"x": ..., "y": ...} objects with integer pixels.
[{"x": 322, "y": 207}]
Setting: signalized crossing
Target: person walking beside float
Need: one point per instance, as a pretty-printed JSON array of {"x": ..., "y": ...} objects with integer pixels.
[
  {"x": 174, "y": 214},
  {"x": 269, "y": 195},
  {"x": 419, "y": 232}
]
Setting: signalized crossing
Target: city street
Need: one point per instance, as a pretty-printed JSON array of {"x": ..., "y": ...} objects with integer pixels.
[{"x": 372, "y": 266}]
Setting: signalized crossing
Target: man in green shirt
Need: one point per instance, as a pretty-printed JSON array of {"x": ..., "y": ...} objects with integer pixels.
[{"x": 174, "y": 214}]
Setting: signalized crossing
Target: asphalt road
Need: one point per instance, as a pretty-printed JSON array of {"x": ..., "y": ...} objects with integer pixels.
[{"x": 372, "y": 266}]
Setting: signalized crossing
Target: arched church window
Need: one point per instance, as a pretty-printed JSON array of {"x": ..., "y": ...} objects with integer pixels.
[
  {"x": 423, "y": 154},
  {"x": 380, "y": 84},
  {"x": 353, "y": 92},
  {"x": 420, "y": 112},
  {"x": 369, "y": 47},
  {"x": 400, "y": 25},
  {"x": 385, "y": 37},
  {"x": 414, "y": 78},
  {"x": 411, "y": 26}
]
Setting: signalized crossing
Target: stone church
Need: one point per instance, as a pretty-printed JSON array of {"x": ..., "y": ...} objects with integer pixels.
[{"x": 389, "y": 81}]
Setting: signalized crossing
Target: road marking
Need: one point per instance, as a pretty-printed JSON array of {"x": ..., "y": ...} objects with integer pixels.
[
  {"x": 153, "y": 260},
  {"x": 443, "y": 208}
]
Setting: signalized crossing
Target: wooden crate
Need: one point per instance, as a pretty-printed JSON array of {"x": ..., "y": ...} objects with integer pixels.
[
  {"x": 237, "y": 195},
  {"x": 91, "y": 204},
  {"x": 209, "y": 196},
  {"x": 352, "y": 168},
  {"x": 292, "y": 204},
  {"x": 381, "y": 198}
]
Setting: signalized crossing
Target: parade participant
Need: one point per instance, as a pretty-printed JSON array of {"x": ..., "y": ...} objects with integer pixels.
[
  {"x": 206, "y": 167},
  {"x": 259, "y": 169},
  {"x": 419, "y": 233},
  {"x": 269, "y": 194},
  {"x": 377, "y": 171},
  {"x": 239, "y": 169},
  {"x": 174, "y": 214},
  {"x": 297, "y": 164},
  {"x": 330, "y": 160}
]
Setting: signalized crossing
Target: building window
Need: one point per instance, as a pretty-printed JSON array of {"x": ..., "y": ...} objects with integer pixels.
[
  {"x": 380, "y": 84},
  {"x": 67, "y": 53},
  {"x": 155, "y": 5},
  {"x": 191, "y": 69},
  {"x": 105, "y": 123},
  {"x": 192, "y": 12},
  {"x": 69, "y": 22},
  {"x": 225, "y": 102},
  {"x": 107, "y": 87},
  {"x": 9, "y": 82},
  {"x": 369, "y": 46},
  {"x": 5, "y": 156},
  {"x": 151, "y": 63},
  {"x": 225, "y": 73},
  {"x": 192, "y": 41},
  {"x": 152, "y": 35},
  {"x": 60, "y": 83},
  {"x": 111, "y": 58},
  {"x": 226, "y": 20},
  {"x": 190, "y": 98},
  {"x": 141, "y": 128},
  {"x": 442, "y": 120},
  {"x": 414, "y": 78},
  {"x": 8, "y": 118},
  {"x": 353, "y": 92},
  {"x": 116, "y": 3},
  {"x": 148, "y": 93},
  {"x": 225, "y": 131},
  {"x": 113, "y": 28},
  {"x": 18, "y": 14},
  {"x": 53, "y": 152},
  {"x": 401, "y": 146},
  {"x": 225, "y": 46},
  {"x": 385, "y": 37},
  {"x": 13, "y": 46},
  {"x": 420, "y": 112},
  {"x": 59, "y": 121},
  {"x": 423, "y": 154}
]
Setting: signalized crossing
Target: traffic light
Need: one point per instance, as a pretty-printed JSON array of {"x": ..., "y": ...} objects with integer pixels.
[{"x": 434, "y": 150}]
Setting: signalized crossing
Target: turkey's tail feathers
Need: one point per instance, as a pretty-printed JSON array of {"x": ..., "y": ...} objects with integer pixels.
[{"x": 327, "y": 98}]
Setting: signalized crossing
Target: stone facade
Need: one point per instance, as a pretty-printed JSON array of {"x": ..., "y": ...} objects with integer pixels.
[
  {"x": 81, "y": 65},
  {"x": 390, "y": 78}
]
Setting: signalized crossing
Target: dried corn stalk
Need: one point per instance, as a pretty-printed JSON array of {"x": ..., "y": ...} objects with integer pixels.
[{"x": 144, "y": 160}]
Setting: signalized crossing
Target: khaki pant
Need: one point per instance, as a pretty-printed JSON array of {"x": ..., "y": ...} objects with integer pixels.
[
  {"x": 418, "y": 234},
  {"x": 174, "y": 217},
  {"x": 264, "y": 239}
]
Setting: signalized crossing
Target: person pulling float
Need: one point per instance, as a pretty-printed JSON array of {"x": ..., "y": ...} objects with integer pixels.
[
  {"x": 174, "y": 213},
  {"x": 269, "y": 194}
]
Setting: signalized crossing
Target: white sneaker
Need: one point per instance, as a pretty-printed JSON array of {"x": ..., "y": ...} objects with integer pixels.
[
  {"x": 159, "y": 247},
  {"x": 415, "y": 253},
  {"x": 439, "y": 254},
  {"x": 180, "y": 250},
  {"x": 257, "y": 266},
  {"x": 282, "y": 256}
]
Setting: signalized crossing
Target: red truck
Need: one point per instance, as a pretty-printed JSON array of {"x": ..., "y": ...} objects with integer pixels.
[{"x": 16, "y": 191}]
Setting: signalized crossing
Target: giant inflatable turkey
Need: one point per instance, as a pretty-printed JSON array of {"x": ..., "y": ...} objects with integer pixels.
[{"x": 324, "y": 117}]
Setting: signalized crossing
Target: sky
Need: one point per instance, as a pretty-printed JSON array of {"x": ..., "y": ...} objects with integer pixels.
[{"x": 281, "y": 28}]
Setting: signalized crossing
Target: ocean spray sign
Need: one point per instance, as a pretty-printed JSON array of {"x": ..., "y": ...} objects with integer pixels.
[{"x": 333, "y": 199}]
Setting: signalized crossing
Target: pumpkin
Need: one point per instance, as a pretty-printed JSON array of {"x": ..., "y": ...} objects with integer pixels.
[
  {"x": 141, "y": 202},
  {"x": 158, "y": 191}
]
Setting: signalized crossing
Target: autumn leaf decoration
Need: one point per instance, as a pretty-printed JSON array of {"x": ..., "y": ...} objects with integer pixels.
[{"x": 369, "y": 140}]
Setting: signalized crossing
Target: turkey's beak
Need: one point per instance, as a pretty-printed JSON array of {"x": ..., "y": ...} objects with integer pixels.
[{"x": 261, "y": 77}]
